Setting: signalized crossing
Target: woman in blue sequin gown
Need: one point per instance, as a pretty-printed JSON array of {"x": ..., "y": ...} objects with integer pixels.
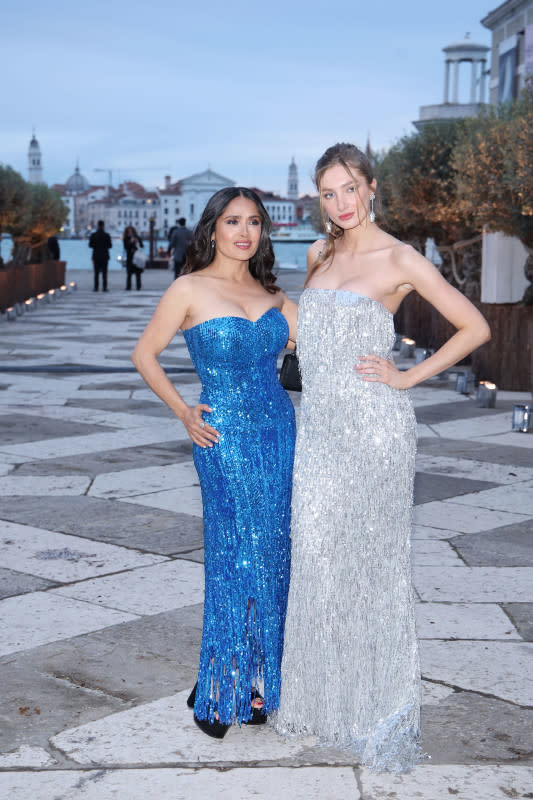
[{"x": 235, "y": 322}]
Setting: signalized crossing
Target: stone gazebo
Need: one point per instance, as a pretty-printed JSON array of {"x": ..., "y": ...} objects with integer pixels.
[{"x": 457, "y": 54}]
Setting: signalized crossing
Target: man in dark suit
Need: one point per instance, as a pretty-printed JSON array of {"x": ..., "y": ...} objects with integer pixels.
[
  {"x": 179, "y": 240},
  {"x": 100, "y": 242}
]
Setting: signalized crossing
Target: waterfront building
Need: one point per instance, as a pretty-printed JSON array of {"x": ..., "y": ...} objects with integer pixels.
[
  {"x": 169, "y": 209},
  {"x": 77, "y": 193},
  {"x": 511, "y": 26},
  {"x": 130, "y": 204},
  {"x": 281, "y": 210},
  {"x": 195, "y": 191},
  {"x": 35, "y": 162}
]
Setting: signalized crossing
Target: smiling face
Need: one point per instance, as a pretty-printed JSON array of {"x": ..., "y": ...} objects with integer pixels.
[
  {"x": 238, "y": 230},
  {"x": 345, "y": 197}
]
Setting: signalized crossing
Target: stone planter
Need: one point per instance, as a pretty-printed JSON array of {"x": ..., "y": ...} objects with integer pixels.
[{"x": 17, "y": 284}]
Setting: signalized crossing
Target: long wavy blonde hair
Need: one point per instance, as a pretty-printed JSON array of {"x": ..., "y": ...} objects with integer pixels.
[{"x": 353, "y": 160}]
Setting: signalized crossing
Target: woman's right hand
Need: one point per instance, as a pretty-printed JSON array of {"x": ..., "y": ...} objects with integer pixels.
[{"x": 200, "y": 432}]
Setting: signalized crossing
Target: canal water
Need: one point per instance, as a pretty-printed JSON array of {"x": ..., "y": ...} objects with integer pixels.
[{"x": 76, "y": 252}]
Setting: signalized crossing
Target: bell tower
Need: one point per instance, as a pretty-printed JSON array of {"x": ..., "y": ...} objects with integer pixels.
[
  {"x": 35, "y": 168},
  {"x": 292, "y": 184}
]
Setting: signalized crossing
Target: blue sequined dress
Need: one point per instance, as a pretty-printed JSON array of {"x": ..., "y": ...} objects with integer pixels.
[{"x": 246, "y": 493}]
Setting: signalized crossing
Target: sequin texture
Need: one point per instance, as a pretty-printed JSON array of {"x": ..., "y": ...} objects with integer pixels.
[
  {"x": 246, "y": 493},
  {"x": 350, "y": 671}
]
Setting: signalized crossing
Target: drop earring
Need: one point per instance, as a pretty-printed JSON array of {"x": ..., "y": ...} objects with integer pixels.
[
  {"x": 213, "y": 245},
  {"x": 327, "y": 226},
  {"x": 372, "y": 214}
]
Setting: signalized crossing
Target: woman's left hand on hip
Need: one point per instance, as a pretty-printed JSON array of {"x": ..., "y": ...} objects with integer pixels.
[{"x": 379, "y": 370}]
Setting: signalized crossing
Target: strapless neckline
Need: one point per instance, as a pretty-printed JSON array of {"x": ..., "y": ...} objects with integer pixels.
[
  {"x": 234, "y": 316},
  {"x": 348, "y": 292}
]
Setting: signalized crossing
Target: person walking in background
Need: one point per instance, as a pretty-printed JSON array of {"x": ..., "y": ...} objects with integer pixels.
[
  {"x": 350, "y": 671},
  {"x": 100, "y": 243},
  {"x": 180, "y": 238},
  {"x": 53, "y": 248},
  {"x": 132, "y": 241},
  {"x": 235, "y": 322}
]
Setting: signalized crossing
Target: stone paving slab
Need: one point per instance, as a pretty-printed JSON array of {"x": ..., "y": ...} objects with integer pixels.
[
  {"x": 464, "y": 621},
  {"x": 506, "y": 453},
  {"x": 430, "y": 487},
  {"x": 471, "y": 468},
  {"x": 164, "y": 730},
  {"x": 41, "y": 617},
  {"x": 498, "y": 669},
  {"x": 188, "y": 497},
  {"x": 21, "y": 428},
  {"x": 503, "y": 498},
  {"x": 183, "y": 784},
  {"x": 491, "y": 782},
  {"x": 142, "y": 480},
  {"x": 474, "y": 584},
  {"x": 510, "y": 546},
  {"x": 110, "y": 460},
  {"x": 467, "y": 728},
  {"x": 62, "y": 485},
  {"x": 521, "y": 614},
  {"x": 64, "y": 558},
  {"x": 432, "y": 552},
  {"x": 148, "y": 590},
  {"x": 464, "y": 519},
  {"x": 13, "y": 583}
]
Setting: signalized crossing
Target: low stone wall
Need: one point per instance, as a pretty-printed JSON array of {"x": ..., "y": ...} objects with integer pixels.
[
  {"x": 507, "y": 359},
  {"x": 20, "y": 283}
]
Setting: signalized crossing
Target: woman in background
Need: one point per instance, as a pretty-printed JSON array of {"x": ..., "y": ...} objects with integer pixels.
[{"x": 132, "y": 241}]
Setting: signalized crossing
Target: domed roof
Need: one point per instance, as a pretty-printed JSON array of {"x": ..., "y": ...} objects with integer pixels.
[
  {"x": 466, "y": 45},
  {"x": 77, "y": 183},
  {"x": 34, "y": 144}
]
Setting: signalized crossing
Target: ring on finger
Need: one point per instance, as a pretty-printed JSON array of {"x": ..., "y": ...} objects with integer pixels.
[{"x": 202, "y": 424}]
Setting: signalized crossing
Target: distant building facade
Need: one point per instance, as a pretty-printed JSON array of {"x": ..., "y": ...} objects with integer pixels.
[
  {"x": 170, "y": 206},
  {"x": 511, "y": 26},
  {"x": 195, "y": 191}
]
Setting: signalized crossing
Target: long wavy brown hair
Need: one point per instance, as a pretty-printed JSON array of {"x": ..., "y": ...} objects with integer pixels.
[
  {"x": 200, "y": 252},
  {"x": 354, "y": 161}
]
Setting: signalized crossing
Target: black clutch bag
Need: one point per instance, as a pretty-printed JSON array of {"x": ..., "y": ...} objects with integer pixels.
[{"x": 289, "y": 375}]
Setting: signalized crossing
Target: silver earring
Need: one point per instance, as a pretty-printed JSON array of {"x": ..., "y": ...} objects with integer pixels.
[
  {"x": 372, "y": 215},
  {"x": 328, "y": 226},
  {"x": 213, "y": 245}
]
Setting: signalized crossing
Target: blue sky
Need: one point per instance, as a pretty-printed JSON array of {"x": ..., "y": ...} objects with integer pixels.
[{"x": 241, "y": 86}]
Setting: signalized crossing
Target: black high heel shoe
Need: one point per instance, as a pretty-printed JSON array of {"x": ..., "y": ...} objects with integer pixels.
[
  {"x": 214, "y": 729},
  {"x": 192, "y": 697},
  {"x": 257, "y": 718}
]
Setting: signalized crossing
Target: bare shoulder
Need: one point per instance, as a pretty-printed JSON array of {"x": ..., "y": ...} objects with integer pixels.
[
  {"x": 314, "y": 251},
  {"x": 405, "y": 256},
  {"x": 316, "y": 248}
]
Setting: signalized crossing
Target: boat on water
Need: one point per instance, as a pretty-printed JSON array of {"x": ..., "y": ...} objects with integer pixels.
[{"x": 302, "y": 234}]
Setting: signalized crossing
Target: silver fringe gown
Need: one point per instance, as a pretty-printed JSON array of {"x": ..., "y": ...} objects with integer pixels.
[{"x": 350, "y": 672}]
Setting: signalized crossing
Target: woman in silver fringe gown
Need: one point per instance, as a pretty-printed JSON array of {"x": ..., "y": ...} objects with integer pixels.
[{"x": 350, "y": 672}]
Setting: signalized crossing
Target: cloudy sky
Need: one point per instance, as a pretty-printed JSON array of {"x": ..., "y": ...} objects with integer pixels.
[{"x": 172, "y": 87}]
